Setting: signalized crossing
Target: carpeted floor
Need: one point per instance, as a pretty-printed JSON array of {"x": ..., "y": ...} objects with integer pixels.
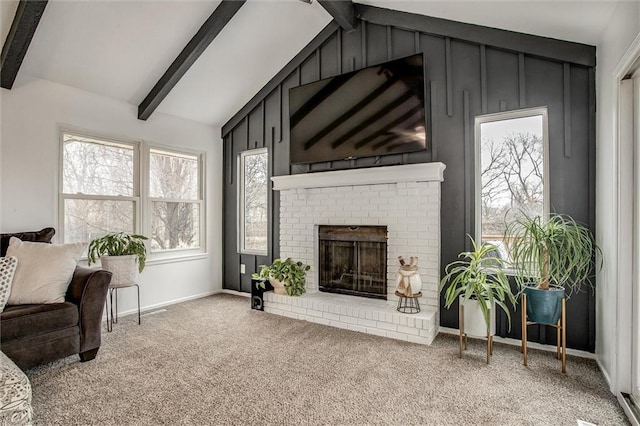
[{"x": 215, "y": 361}]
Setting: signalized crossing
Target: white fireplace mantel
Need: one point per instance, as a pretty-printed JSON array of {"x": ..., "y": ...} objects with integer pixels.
[{"x": 423, "y": 172}]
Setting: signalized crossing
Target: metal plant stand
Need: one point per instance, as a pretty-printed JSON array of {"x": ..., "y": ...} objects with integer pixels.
[
  {"x": 561, "y": 333},
  {"x": 463, "y": 336},
  {"x": 112, "y": 317},
  {"x": 408, "y": 304}
]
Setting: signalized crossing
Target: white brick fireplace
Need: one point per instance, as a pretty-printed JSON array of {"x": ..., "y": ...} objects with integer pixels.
[{"x": 405, "y": 199}]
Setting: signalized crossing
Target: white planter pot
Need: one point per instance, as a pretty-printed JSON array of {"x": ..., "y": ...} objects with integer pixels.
[
  {"x": 278, "y": 286},
  {"x": 124, "y": 269},
  {"x": 474, "y": 323}
]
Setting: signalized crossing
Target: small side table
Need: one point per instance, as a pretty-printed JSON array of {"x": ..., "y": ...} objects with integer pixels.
[
  {"x": 561, "y": 333},
  {"x": 113, "y": 319},
  {"x": 408, "y": 304}
]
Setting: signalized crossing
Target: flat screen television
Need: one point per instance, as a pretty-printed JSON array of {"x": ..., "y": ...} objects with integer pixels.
[{"x": 375, "y": 111}]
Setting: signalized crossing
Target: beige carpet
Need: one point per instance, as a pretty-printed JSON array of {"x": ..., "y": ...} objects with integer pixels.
[{"x": 215, "y": 361}]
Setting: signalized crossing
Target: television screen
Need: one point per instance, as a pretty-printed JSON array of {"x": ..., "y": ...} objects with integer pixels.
[{"x": 374, "y": 111}]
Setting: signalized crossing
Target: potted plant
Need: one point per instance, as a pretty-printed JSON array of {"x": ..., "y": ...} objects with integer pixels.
[
  {"x": 286, "y": 276},
  {"x": 477, "y": 281},
  {"x": 549, "y": 257},
  {"x": 124, "y": 255}
]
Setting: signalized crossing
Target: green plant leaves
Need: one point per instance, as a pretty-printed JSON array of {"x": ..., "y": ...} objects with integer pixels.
[
  {"x": 292, "y": 274},
  {"x": 559, "y": 251},
  {"x": 119, "y": 244},
  {"x": 479, "y": 275}
]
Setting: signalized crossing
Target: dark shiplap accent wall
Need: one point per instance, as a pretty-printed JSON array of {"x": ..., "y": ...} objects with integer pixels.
[{"x": 469, "y": 71}]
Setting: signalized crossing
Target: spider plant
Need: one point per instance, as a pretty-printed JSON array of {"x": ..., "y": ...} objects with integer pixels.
[
  {"x": 479, "y": 275},
  {"x": 558, "y": 251}
]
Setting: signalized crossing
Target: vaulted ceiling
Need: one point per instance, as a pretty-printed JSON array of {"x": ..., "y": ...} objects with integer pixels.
[{"x": 121, "y": 48}]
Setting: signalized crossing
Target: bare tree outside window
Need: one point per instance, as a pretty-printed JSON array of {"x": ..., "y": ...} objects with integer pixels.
[
  {"x": 512, "y": 168},
  {"x": 254, "y": 201},
  {"x": 98, "y": 194},
  {"x": 174, "y": 190}
]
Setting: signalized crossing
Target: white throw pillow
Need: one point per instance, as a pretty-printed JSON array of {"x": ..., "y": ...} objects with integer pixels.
[
  {"x": 7, "y": 271},
  {"x": 44, "y": 271}
]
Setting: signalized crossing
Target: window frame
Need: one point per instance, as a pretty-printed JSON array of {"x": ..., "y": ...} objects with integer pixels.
[
  {"x": 503, "y": 116},
  {"x": 148, "y": 200},
  {"x": 136, "y": 198},
  {"x": 240, "y": 194},
  {"x": 141, "y": 183}
]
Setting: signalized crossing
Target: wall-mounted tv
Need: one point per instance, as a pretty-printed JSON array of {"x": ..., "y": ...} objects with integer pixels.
[{"x": 375, "y": 111}]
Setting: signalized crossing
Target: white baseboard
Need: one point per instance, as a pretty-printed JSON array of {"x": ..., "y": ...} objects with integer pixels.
[
  {"x": 606, "y": 376},
  {"x": 162, "y": 304},
  {"x": 624, "y": 403},
  {"x": 531, "y": 345},
  {"x": 235, "y": 293}
]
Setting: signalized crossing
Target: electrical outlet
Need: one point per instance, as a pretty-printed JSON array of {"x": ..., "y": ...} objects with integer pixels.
[{"x": 242, "y": 268}]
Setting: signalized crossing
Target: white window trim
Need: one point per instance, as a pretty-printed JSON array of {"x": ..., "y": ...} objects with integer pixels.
[
  {"x": 158, "y": 256},
  {"x": 142, "y": 202},
  {"x": 501, "y": 116},
  {"x": 240, "y": 215},
  {"x": 62, "y": 196}
]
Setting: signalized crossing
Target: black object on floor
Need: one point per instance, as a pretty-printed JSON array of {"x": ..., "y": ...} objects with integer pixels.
[{"x": 257, "y": 301}]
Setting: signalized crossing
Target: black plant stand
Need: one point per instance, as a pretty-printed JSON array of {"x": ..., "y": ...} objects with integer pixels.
[
  {"x": 113, "y": 319},
  {"x": 408, "y": 304}
]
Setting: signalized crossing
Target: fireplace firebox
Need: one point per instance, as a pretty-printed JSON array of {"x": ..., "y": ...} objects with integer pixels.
[{"x": 353, "y": 260}]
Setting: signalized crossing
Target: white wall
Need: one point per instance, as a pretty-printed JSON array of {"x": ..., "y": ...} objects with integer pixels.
[
  {"x": 29, "y": 160},
  {"x": 622, "y": 29}
]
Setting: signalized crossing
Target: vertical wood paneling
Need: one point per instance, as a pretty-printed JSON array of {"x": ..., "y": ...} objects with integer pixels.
[
  {"x": 255, "y": 120},
  {"x": 376, "y": 42},
  {"x": 363, "y": 43},
  {"x": 339, "y": 51},
  {"x": 462, "y": 80},
  {"x": 280, "y": 106},
  {"x": 434, "y": 122},
  {"x": 247, "y": 135},
  {"x": 566, "y": 74},
  {"x": 468, "y": 168},
  {"x": 230, "y": 166},
  {"x": 264, "y": 124},
  {"x": 502, "y": 75},
  {"x": 449, "y": 70},
  {"x": 329, "y": 57},
  {"x": 483, "y": 77},
  {"x": 403, "y": 43},
  {"x": 592, "y": 193},
  {"x": 351, "y": 50},
  {"x": 521, "y": 81},
  {"x": 318, "y": 65},
  {"x": 389, "y": 44}
]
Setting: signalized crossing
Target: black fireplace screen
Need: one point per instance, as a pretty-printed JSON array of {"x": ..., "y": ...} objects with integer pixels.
[{"x": 353, "y": 260}]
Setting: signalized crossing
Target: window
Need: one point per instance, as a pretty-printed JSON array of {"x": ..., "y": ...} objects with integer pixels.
[
  {"x": 253, "y": 208},
  {"x": 511, "y": 171},
  {"x": 99, "y": 187},
  {"x": 176, "y": 200},
  {"x": 101, "y": 192}
]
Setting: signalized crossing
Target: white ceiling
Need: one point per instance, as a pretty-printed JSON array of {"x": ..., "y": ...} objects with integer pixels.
[{"x": 121, "y": 48}]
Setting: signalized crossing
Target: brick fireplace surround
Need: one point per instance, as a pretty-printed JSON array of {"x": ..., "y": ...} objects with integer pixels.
[{"x": 405, "y": 199}]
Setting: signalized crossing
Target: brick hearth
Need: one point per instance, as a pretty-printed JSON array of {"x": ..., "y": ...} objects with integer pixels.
[{"x": 406, "y": 199}]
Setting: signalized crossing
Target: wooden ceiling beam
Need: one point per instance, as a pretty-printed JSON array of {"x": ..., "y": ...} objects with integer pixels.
[
  {"x": 191, "y": 52},
  {"x": 15, "y": 47},
  {"x": 343, "y": 12}
]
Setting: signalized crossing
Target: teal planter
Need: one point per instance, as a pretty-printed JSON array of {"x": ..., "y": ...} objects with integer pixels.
[{"x": 544, "y": 306}]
